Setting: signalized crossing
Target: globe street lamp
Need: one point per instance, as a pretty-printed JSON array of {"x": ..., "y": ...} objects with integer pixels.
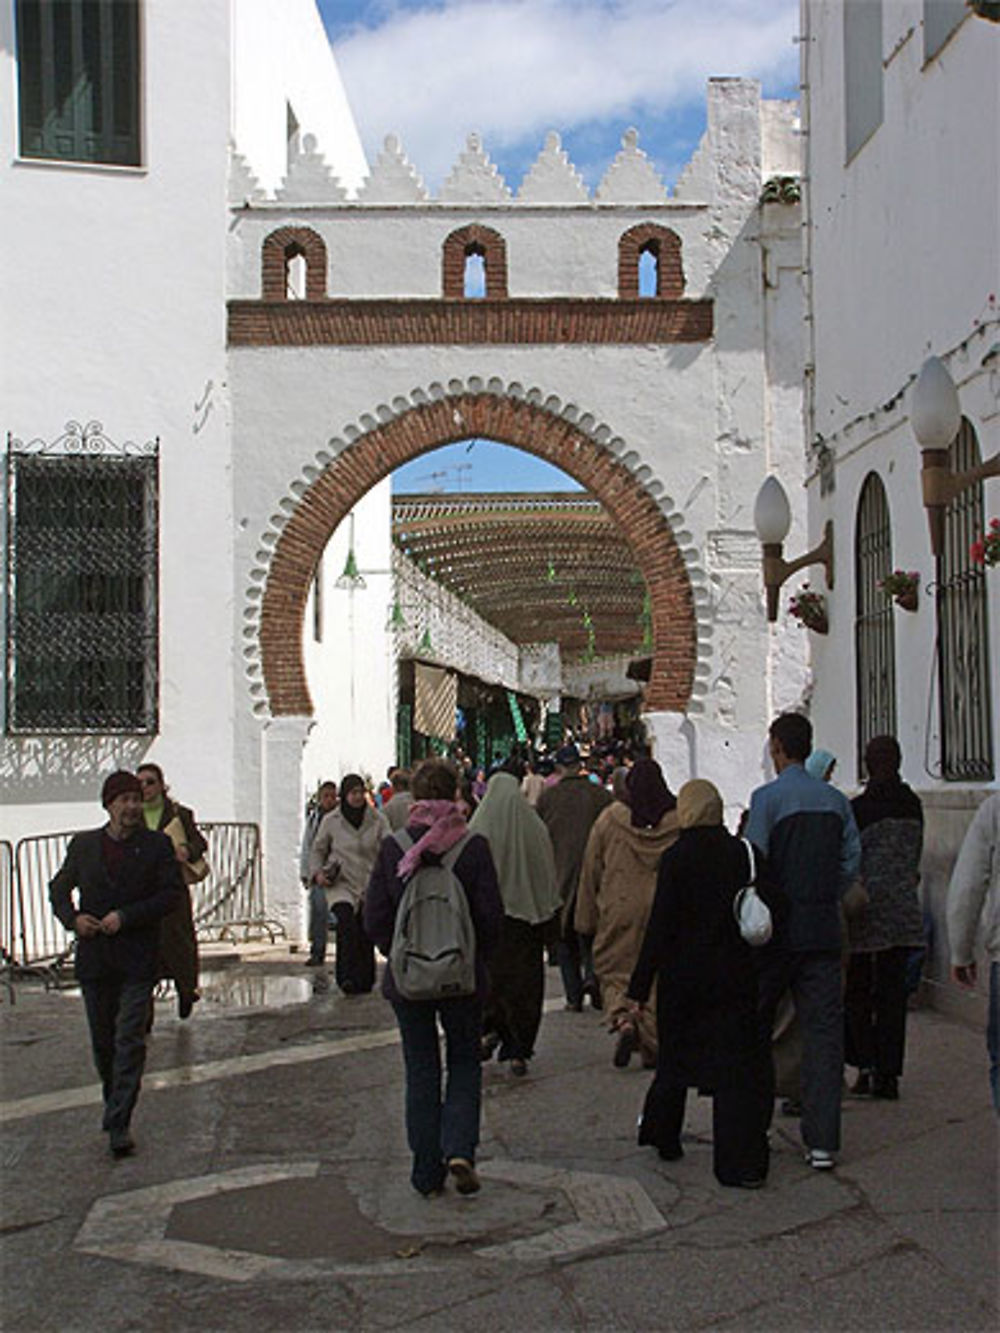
[
  {"x": 935, "y": 416},
  {"x": 772, "y": 517}
]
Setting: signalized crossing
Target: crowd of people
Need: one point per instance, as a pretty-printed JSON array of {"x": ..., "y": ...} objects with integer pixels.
[{"x": 466, "y": 882}]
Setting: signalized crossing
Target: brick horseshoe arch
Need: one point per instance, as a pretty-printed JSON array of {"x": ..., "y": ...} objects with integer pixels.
[{"x": 542, "y": 426}]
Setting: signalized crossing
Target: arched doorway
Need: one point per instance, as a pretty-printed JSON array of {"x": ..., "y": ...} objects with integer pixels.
[
  {"x": 536, "y": 428},
  {"x": 331, "y": 485}
]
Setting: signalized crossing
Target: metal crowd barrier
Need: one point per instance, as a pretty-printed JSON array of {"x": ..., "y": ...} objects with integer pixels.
[
  {"x": 229, "y": 903},
  {"x": 6, "y": 917}
]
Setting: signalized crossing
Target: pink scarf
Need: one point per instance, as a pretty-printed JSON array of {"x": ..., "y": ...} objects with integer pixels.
[{"x": 447, "y": 825}]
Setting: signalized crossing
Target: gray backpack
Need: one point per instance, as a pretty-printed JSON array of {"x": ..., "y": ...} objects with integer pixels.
[{"x": 433, "y": 951}]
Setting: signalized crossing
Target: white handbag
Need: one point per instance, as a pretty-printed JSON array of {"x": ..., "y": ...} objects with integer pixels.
[{"x": 753, "y": 916}]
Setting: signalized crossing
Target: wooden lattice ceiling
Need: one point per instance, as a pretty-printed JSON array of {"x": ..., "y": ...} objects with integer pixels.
[{"x": 540, "y": 567}]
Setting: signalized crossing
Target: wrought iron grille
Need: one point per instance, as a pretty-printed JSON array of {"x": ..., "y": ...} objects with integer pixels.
[
  {"x": 874, "y": 630},
  {"x": 82, "y": 617},
  {"x": 963, "y": 631}
]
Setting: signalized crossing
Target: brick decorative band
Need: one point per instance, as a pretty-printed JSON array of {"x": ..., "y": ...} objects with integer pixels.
[
  {"x": 511, "y": 421},
  {"x": 442, "y": 322}
]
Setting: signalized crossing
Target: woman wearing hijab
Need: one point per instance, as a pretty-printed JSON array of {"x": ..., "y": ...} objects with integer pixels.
[
  {"x": 706, "y": 996},
  {"x": 340, "y": 861},
  {"x": 526, "y": 869},
  {"x": 890, "y": 820},
  {"x": 820, "y": 764},
  {"x": 617, "y": 883},
  {"x": 442, "y": 1136}
]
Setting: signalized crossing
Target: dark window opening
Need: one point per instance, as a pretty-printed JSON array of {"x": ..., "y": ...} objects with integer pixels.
[
  {"x": 963, "y": 630},
  {"x": 874, "y": 628},
  {"x": 82, "y": 631},
  {"x": 78, "y": 80}
]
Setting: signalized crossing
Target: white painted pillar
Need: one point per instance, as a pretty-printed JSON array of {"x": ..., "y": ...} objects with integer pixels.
[{"x": 282, "y": 743}]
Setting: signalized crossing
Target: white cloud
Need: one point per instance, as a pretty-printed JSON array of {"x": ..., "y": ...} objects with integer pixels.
[{"x": 515, "y": 68}]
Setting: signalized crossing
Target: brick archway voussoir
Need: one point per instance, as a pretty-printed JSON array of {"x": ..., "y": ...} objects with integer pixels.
[{"x": 510, "y": 420}]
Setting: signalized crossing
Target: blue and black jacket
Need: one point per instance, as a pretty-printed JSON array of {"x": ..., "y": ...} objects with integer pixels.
[{"x": 806, "y": 830}]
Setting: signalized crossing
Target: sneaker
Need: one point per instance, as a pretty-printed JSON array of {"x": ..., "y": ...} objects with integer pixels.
[
  {"x": 466, "y": 1179},
  {"x": 820, "y": 1160},
  {"x": 862, "y": 1085},
  {"x": 518, "y": 1067},
  {"x": 314, "y": 962}
]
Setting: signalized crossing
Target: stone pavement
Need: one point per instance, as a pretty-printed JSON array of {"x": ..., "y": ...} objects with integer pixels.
[{"x": 270, "y": 1187}]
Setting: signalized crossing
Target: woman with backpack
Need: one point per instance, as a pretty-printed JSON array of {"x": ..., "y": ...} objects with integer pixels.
[
  {"x": 526, "y": 868},
  {"x": 437, "y": 858}
]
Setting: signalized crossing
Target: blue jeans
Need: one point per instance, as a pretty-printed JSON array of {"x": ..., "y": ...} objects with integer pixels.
[
  {"x": 993, "y": 1034},
  {"x": 117, "y": 1009},
  {"x": 436, "y": 1130},
  {"x": 319, "y": 922},
  {"x": 815, "y": 981}
]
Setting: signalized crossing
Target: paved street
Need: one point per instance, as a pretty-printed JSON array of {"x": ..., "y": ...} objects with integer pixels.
[{"x": 270, "y": 1187}]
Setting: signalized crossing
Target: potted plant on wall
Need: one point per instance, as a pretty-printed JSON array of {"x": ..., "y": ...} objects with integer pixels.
[
  {"x": 809, "y": 609},
  {"x": 986, "y": 551},
  {"x": 902, "y": 586}
]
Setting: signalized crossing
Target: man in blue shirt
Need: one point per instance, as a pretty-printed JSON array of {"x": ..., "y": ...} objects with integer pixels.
[{"x": 806, "y": 830}]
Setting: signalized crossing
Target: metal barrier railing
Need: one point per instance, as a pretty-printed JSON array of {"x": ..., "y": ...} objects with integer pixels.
[
  {"x": 227, "y": 904},
  {"x": 6, "y": 917},
  {"x": 40, "y": 943},
  {"x": 231, "y": 900}
]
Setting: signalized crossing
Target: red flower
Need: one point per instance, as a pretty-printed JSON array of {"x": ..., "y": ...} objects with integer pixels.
[{"x": 978, "y": 552}]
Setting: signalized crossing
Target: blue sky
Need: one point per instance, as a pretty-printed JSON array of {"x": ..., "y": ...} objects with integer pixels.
[{"x": 433, "y": 70}]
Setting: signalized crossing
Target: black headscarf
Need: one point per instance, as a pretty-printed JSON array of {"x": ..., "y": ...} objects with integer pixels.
[
  {"x": 886, "y": 795},
  {"x": 649, "y": 797},
  {"x": 353, "y": 814}
]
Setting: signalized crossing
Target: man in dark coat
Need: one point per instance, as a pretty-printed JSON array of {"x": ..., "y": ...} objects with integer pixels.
[
  {"x": 806, "y": 830},
  {"x": 568, "y": 810},
  {"x": 127, "y": 879}
]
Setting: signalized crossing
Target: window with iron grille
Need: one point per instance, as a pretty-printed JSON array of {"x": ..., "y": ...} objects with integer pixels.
[
  {"x": 874, "y": 629},
  {"x": 82, "y": 621},
  {"x": 963, "y": 630},
  {"x": 78, "y": 80}
]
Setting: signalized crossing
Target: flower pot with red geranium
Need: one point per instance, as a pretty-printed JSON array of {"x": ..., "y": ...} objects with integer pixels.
[
  {"x": 986, "y": 551},
  {"x": 902, "y": 586},
  {"x": 809, "y": 609}
]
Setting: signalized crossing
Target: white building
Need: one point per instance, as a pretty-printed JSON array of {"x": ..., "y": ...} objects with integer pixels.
[
  {"x": 901, "y": 109},
  {"x": 165, "y": 606}
]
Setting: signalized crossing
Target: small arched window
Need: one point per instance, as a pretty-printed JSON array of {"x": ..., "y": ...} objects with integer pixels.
[
  {"x": 649, "y": 263},
  {"x": 474, "y": 277},
  {"x": 963, "y": 629},
  {"x": 649, "y": 270},
  {"x": 295, "y": 273},
  {"x": 474, "y": 264},
  {"x": 293, "y": 265},
  {"x": 874, "y": 628}
]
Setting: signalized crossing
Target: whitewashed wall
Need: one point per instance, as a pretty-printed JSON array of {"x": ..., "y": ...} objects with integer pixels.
[
  {"x": 281, "y": 58},
  {"x": 703, "y": 423},
  {"x": 114, "y": 300},
  {"x": 906, "y": 254}
]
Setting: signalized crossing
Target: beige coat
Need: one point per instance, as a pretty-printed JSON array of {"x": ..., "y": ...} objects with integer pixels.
[
  {"x": 338, "y": 843},
  {"x": 617, "y": 884}
]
